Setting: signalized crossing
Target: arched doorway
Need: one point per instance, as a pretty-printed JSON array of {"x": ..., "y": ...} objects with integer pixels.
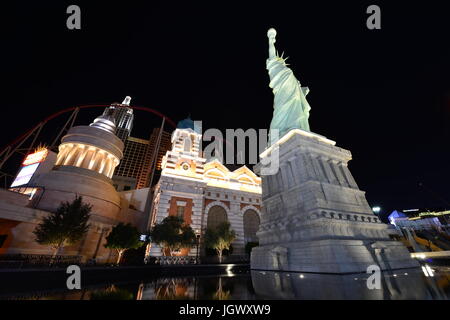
[
  {"x": 251, "y": 225},
  {"x": 216, "y": 216}
]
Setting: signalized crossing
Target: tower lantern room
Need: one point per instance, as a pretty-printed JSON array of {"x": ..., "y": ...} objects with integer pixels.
[{"x": 94, "y": 147}]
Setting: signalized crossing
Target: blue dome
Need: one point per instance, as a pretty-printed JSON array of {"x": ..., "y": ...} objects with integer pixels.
[{"x": 187, "y": 123}]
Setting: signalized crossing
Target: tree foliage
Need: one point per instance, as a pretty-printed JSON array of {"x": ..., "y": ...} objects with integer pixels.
[
  {"x": 173, "y": 234},
  {"x": 123, "y": 237},
  {"x": 220, "y": 238},
  {"x": 66, "y": 226}
]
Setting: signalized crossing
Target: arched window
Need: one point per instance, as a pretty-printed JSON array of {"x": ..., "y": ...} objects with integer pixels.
[
  {"x": 251, "y": 225},
  {"x": 216, "y": 216},
  {"x": 215, "y": 174},
  {"x": 246, "y": 180},
  {"x": 187, "y": 144}
]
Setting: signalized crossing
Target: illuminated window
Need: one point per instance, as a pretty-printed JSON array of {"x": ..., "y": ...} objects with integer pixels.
[
  {"x": 180, "y": 212},
  {"x": 187, "y": 144}
]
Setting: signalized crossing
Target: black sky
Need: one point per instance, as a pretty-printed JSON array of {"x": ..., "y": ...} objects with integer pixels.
[{"x": 384, "y": 94}]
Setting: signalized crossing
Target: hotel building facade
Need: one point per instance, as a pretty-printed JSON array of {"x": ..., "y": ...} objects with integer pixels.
[{"x": 205, "y": 193}]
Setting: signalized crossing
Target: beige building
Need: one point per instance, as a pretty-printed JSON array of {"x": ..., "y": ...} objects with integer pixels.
[
  {"x": 205, "y": 193},
  {"x": 87, "y": 158}
]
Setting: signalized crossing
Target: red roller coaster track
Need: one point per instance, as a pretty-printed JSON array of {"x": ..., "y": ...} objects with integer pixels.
[{"x": 56, "y": 114}]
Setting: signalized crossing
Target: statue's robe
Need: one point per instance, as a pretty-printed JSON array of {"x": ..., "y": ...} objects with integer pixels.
[{"x": 291, "y": 109}]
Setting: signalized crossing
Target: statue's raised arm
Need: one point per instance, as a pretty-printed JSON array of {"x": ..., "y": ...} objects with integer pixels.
[
  {"x": 291, "y": 109},
  {"x": 271, "y": 34}
]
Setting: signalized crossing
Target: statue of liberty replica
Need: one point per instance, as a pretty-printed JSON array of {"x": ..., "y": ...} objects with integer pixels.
[
  {"x": 314, "y": 216},
  {"x": 291, "y": 109}
]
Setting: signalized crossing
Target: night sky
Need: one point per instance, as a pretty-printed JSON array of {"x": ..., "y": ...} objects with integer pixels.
[{"x": 382, "y": 94}]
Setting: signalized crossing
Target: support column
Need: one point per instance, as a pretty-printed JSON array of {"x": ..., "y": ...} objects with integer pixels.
[
  {"x": 320, "y": 174},
  {"x": 81, "y": 157},
  {"x": 295, "y": 170},
  {"x": 237, "y": 224},
  {"x": 68, "y": 161},
  {"x": 92, "y": 159},
  {"x": 328, "y": 171},
  {"x": 308, "y": 168},
  {"x": 98, "y": 161},
  {"x": 107, "y": 166},
  {"x": 102, "y": 164},
  {"x": 349, "y": 176},
  {"x": 113, "y": 166},
  {"x": 196, "y": 222},
  {"x": 62, "y": 154},
  {"x": 339, "y": 174},
  {"x": 284, "y": 175},
  {"x": 87, "y": 158}
]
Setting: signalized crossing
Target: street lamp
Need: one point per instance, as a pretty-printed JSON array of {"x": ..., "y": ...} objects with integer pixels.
[
  {"x": 376, "y": 210},
  {"x": 197, "y": 236}
]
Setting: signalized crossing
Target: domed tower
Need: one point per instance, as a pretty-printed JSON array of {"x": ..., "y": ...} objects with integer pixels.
[
  {"x": 94, "y": 147},
  {"x": 185, "y": 158},
  {"x": 84, "y": 166},
  {"x": 180, "y": 189}
]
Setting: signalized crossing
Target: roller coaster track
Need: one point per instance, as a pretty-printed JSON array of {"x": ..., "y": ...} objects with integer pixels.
[{"x": 14, "y": 145}]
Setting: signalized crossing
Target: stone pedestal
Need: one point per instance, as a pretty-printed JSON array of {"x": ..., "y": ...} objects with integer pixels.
[{"x": 315, "y": 218}]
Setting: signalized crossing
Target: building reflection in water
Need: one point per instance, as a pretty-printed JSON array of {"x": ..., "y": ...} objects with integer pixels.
[
  {"x": 396, "y": 285},
  {"x": 197, "y": 288},
  {"x": 112, "y": 292}
]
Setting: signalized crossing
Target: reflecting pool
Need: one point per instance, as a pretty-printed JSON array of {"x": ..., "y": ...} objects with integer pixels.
[{"x": 395, "y": 285}]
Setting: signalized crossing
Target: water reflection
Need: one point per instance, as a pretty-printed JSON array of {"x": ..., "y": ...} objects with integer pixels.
[
  {"x": 198, "y": 288},
  {"x": 396, "y": 285},
  {"x": 111, "y": 293},
  {"x": 169, "y": 289}
]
